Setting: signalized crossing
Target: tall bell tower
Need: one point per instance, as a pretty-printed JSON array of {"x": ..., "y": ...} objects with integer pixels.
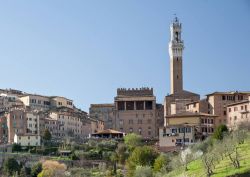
[{"x": 176, "y": 47}]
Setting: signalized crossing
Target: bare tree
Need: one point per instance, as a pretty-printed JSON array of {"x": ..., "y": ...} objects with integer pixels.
[
  {"x": 208, "y": 162},
  {"x": 231, "y": 149}
]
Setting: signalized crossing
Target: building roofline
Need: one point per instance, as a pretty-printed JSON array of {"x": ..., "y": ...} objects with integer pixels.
[
  {"x": 228, "y": 93},
  {"x": 190, "y": 114},
  {"x": 237, "y": 103}
]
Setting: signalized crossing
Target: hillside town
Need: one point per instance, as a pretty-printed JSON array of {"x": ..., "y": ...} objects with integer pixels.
[{"x": 34, "y": 122}]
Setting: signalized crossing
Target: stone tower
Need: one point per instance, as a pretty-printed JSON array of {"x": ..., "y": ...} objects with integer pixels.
[{"x": 176, "y": 47}]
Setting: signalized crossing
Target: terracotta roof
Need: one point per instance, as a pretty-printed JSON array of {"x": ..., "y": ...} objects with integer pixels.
[{"x": 108, "y": 131}]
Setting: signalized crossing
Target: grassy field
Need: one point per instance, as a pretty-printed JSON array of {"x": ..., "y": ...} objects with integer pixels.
[{"x": 222, "y": 169}]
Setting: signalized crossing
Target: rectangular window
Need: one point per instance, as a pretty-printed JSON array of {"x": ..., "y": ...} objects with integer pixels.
[
  {"x": 188, "y": 130},
  {"x": 130, "y": 105},
  {"x": 174, "y": 130},
  {"x": 121, "y": 105},
  {"x": 130, "y": 121},
  {"x": 223, "y": 97},
  {"x": 149, "y": 105},
  {"x": 139, "y": 105}
]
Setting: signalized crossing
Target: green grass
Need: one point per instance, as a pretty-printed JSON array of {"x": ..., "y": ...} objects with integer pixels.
[{"x": 222, "y": 169}]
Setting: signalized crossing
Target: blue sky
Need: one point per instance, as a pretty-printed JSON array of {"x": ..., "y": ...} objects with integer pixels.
[{"x": 85, "y": 50}]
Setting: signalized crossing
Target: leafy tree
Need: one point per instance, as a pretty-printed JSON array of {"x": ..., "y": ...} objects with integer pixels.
[
  {"x": 162, "y": 163},
  {"x": 220, "y": 131},
  {"x": 132, "y": 140},
  {"x": 47, "y": 135},
  {"x": 143, "y": 171},
  {"x": 141, "y": 156},
  {"x": 36, "y": 169},
  {"x": 11, "y": 166},
  {"x": 114, "y": 159},
  {"x": 122, "y": 153}
]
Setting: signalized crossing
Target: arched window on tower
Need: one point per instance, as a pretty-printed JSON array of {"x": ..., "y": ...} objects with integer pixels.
[
  {"x": 176, "y": 36},
  {"x": 177, "y": 59},
  {"x": 177, "y": 77}
]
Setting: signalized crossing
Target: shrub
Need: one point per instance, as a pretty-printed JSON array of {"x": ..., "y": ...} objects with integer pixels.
[
  {"x": 143, "y": 171},
  {"x": 162, "y": 162},
  {"x": 11, "y": 166},
  {"x": 132, "y": 140},
  {"x": 16, "y": 147},
  {"x": 141, "y": 156},
  {"x": 36, "y": 169},
  {"x": 219, "y": 132}
]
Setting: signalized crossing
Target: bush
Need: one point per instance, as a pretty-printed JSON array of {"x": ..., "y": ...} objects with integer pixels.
[
  {"x": 141, "y": 156},
  {"x": 16, "y": 147},
  {"x": 74, "y": 157},
  {"x": 162, "y": 163},
  {"x": 36, "y": 169},
  {"x": 220, "y": 131},
  {"x": 132, "y": 140},
  {"x": 143, "y": 171},
  {"x": 11, "y": 166}
]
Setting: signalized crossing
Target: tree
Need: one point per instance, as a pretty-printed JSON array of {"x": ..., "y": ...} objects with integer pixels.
[
  {"x": 162, "y": 163},
  {"x": 36, "y": 169},
  {"x": 186, "y": 156},
  {"x": 122, "y": 153},
  {"x": 208, "y": 162},
  {"x": 230, "y": 144},
  {"x": 114, "y": 159},
  {"x": 11, "y": 166},
  {"x": 132, "y": 140},
  {"x": 220, "y": 131},
  {"x": 52, "y": 168},
  {"x": 47, "y": 135},
  {"x": 141, "y": 156},
  {"x": 143, "y": 171}
]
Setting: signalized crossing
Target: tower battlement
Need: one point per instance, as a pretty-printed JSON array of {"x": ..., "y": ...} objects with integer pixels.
[{"x": 144, "y": 91}]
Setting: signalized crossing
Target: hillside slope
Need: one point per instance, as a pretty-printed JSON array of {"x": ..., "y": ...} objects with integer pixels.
[{"x": 222, "y": 169}]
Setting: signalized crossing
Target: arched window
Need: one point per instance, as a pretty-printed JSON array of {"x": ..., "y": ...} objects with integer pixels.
[{"x": 176, "y": 36}]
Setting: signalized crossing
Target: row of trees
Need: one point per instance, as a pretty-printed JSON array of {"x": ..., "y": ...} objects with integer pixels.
[
  {"x": 12, "y": 168},
  {"x": 228, "y": 147}
]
